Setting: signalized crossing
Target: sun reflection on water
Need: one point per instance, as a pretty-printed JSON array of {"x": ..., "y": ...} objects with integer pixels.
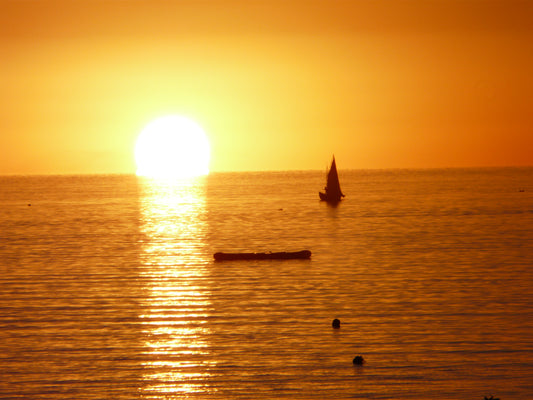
[{"x": 177, "y": 302}]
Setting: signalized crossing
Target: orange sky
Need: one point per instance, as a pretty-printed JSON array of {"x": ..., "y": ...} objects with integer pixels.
[{"x": 275, "y": 84}]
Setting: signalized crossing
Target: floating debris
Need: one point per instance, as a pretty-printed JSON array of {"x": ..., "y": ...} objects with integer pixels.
[{"x": 359, "y": 360}]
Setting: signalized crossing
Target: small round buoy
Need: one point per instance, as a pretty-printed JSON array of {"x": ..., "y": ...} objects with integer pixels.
[
  {"x": 358, "y": 360},
  {"x": 29, "y": 205},
  {"x": 336, "y": 323}
]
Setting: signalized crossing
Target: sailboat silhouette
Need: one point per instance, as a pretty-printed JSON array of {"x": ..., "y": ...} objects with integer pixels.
[{"x": 332, "y": 192}]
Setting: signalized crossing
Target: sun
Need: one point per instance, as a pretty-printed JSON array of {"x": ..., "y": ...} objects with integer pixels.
[{"x": 172, "y": 147}]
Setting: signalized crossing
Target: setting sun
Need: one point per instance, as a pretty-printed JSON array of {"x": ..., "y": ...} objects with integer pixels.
[{"x": 172, "y": 146}]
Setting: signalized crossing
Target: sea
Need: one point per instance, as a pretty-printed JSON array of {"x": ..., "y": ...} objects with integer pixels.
[{"x": 109, "y": 289}]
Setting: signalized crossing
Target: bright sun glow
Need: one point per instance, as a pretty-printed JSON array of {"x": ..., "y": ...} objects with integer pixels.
[{"x": 172, "y": 146}]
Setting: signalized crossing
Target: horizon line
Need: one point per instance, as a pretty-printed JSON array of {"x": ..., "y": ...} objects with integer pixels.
[{"x": 21, "y": 174}]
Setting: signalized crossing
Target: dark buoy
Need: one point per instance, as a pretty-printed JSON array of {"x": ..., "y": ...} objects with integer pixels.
[
  {"x": 358, "y": 360},
  {"x": 336, "y": 323}
]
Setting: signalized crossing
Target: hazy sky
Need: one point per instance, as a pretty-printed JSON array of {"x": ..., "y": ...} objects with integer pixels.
[{"x": 275, "y": 84}]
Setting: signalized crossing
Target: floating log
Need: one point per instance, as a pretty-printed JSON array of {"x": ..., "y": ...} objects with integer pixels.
[{"x": 282, "y": 255}]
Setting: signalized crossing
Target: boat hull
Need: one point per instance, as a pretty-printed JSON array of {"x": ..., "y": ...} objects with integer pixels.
[
  {"x": 329, "y": 199},
  {"x": 283, "y": 255}
]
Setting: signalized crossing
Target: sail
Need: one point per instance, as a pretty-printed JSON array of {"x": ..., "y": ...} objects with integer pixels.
[{"x": 333, "y": 187}]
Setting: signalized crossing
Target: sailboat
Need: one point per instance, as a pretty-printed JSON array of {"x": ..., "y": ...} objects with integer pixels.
[{"x": 332, "y": 192}]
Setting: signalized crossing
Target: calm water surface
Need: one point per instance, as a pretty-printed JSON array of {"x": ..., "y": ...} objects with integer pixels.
[{"x": 108, "y": 288}]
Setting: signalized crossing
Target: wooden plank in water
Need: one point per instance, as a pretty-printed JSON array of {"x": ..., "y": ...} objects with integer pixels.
[{"x": 282, "y": 255}]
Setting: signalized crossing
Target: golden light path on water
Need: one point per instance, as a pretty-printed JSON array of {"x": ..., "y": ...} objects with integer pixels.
[{"x": 177, "y": 301}]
